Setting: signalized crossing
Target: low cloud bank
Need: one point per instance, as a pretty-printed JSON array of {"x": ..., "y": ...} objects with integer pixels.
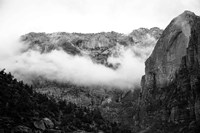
[{"x": 62, "y": 67}]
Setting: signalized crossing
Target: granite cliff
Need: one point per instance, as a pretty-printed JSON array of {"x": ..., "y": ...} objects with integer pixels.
[{"x": 170, "y": 86}]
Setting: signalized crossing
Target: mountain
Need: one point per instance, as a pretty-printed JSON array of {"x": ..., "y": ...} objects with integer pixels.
[
  {"x": 98, "y": 46},
  {"x": 116, "y": 105},
  {"x": 170, "y": 87}
]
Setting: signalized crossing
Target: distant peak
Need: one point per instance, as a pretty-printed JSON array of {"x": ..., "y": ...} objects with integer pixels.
[
  {"x": 185, "y": 21},
  {"x": 186, "y": 12},
  {"x": 187, "y": 16}
]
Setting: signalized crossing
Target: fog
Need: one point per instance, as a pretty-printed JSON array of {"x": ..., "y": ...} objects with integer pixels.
[{"x": 59, "y": 66}]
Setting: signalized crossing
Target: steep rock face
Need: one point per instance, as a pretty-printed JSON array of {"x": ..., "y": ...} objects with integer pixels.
[
  {"x": 170, "y": 86},
  {"x": 169, "y": 50}
]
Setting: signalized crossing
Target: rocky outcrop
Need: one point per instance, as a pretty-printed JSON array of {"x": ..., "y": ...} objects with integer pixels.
[{"x": 170, "y": 86}]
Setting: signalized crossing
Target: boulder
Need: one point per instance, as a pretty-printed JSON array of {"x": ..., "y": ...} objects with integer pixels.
[
  {"x": 48, "y": 123},
  {"x": 39, "y": 125}
]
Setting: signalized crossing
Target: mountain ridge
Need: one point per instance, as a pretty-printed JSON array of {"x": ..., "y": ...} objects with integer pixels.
[{"x": 98, "y": 46}]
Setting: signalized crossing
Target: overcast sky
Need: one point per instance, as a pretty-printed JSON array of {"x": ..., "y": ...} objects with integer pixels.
[{"x": 88, "y": 16}]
